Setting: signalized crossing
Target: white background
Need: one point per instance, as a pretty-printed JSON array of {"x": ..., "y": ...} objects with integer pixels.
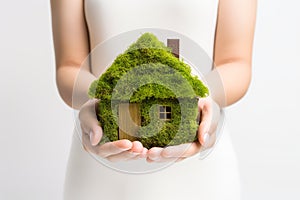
[{"x": 36, "y": 126}]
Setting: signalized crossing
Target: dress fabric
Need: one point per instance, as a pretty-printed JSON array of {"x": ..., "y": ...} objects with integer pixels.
[{"x": 214, "y": 178}]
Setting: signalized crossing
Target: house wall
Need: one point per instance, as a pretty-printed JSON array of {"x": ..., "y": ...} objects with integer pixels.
[{"x": 180, "y": 129}]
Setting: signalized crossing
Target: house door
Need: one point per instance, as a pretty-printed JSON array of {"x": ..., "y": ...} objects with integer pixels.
[{"x": 129, "y": 120}]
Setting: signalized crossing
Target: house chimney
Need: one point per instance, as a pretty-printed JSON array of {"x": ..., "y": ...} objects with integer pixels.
[{"x": 174, "y": 45}]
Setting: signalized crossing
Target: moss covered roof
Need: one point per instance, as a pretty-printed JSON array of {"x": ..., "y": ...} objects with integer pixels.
[{"x": 147, "y": 69}]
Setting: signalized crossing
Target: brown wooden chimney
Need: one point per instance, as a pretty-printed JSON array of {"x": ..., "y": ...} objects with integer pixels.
[{"x": 174, "y": 45}]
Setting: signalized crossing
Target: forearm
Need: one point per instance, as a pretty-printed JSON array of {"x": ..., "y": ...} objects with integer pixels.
[
  {"x": 229, "y": 82},
  {"x": 73, "y": 84}
]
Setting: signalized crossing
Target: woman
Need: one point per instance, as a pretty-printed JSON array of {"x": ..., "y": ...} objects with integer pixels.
[{"x": 225, "y": 27}]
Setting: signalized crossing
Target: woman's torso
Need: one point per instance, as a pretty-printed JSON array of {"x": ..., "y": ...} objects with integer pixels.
[{"x": 214, "y": 178}]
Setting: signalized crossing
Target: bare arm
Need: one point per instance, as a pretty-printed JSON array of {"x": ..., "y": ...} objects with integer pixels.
[
  {"x": 233, "y": 50},
  {"x": 71, "y": 45}
]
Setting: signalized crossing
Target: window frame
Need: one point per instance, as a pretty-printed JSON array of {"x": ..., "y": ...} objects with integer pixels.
[{"x": 164, "y": 111}]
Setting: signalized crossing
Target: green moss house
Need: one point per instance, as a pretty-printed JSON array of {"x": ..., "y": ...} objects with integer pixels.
[{"x": 149, "y": 94}]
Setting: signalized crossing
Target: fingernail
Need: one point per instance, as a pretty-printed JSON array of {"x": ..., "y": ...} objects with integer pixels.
[
  {"x": 91, "y": 138},
  {"x": 206, "y": 139}
]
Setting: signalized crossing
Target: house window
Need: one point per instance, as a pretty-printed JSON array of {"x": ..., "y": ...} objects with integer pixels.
[{"x": 165, "y": 112}]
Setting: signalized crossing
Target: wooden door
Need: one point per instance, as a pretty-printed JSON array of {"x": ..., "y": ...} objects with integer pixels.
[{"x": 129, "y": 120}]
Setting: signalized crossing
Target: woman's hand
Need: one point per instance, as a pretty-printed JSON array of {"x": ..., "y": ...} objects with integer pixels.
[
  {"x": 210, "y": 114},
  {"x": 92, "y": 134}
]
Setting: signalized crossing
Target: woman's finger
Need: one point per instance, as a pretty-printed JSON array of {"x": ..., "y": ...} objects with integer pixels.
[
  {"x": 87, "y": 114},
  {"x": 205, "y": 109},
  {"x": 137, "y": 147},
  {"x": 95, "y": 134},
  {"x": 173, "y": 153},
  {"x": 182, "y": 150},
  {"x": 143, "y": 154},
  {"x": 87, "y": 144},
  {"x": 89, "y": 122},
  {"x": 111, "y": 148},
  {"x": 210, "y": 142},
  {"x": 135, "y": 150},
  {"x": 125, "y": 155},
  {"x": 154, "y": 153}
]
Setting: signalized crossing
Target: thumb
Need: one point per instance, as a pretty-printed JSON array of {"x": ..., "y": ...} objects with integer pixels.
[
  {"x": 89, "y": 122},
  {"x": 95, "y": 134},
  {"x": 205, "y": 110}
]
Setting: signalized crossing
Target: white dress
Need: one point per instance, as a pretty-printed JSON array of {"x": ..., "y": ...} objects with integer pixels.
[{"x": 214, "y": 178}]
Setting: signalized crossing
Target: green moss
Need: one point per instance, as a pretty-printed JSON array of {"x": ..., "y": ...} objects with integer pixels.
[
  {"x": 180, "y": 129},
  {"x": 146, "y": 50},
  {"x": 149, "y": 74}
]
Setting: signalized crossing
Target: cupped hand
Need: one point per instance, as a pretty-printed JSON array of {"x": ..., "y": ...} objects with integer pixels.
[
  {"x": 119, "y": 150},
  {"x": 209, "y": 112}
]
